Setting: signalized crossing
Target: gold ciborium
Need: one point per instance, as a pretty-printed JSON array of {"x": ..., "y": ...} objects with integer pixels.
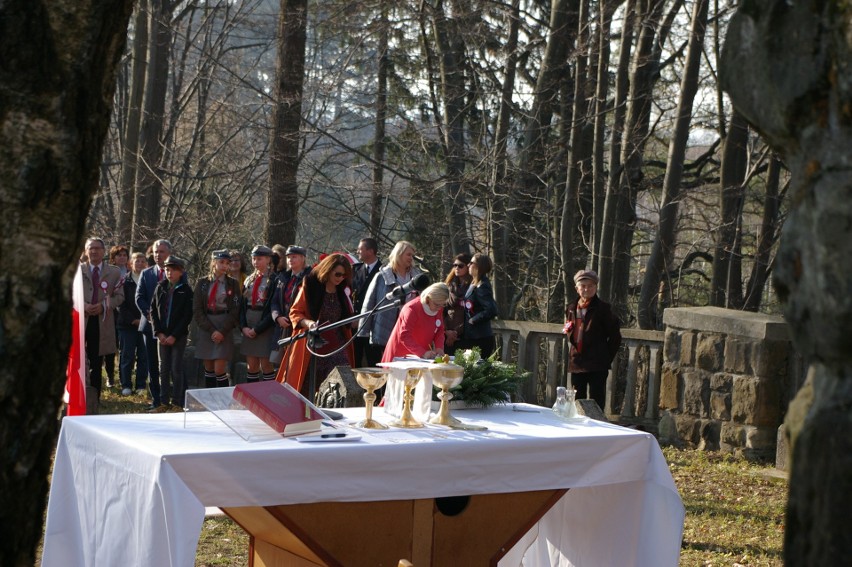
[
  {"x": 406, "y": 420},
  {"x": 448, "y": 376},
  {"x": 370, "y": 379}
]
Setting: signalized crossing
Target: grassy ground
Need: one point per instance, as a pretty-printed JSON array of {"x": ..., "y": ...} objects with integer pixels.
[{"x": 734, "y": 509}]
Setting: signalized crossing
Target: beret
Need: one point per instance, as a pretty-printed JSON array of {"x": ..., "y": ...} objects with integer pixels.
[
  {"x": 221, "y": 255},
  {"x": 293, "y": 249},
  {"x": 586, "y": 275},
  {"x": 261, "y": 250}
]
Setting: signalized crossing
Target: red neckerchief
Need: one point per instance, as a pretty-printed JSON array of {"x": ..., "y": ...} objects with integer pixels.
[
  {"x": 579, "y": 323},
  {"x": 255, "y": 291},
  {"x": 211, "y": 299}
]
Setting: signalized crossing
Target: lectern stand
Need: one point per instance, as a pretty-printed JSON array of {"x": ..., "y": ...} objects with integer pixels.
[{"x": 471, "y": 531}]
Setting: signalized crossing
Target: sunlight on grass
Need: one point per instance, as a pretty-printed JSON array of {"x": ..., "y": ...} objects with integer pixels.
[{"x": 734, "y": 510}]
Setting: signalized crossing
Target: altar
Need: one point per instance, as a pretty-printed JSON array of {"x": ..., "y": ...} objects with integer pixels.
[{"x": 132, "y": 489}]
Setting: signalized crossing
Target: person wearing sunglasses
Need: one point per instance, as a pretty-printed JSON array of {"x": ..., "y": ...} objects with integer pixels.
[
  {"x": 480, "y": 308},
  {"x": 324, "y": 298},
  {"x": 457, "y": 282}
]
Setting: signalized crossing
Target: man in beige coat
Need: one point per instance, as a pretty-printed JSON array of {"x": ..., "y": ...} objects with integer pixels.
[{"x": 103, "y": 291}]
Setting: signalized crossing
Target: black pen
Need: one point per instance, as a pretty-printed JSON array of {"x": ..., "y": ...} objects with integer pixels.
[{"x": 329, "y": 435}]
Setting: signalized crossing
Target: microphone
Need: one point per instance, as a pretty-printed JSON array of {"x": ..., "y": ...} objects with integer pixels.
[{"x": 419, "y": 283}]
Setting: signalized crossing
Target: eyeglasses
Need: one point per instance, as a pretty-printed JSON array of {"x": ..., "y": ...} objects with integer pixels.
[
  {"x": 339, "y": 274},
  {"x": 459, "y": 265}
]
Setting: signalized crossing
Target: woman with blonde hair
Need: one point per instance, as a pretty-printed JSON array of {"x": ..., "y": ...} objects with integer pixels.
[
  {"x": 324, "y": 298},
  {"x": 216, "y": 311},
  {"x": 399, "y": 270}
]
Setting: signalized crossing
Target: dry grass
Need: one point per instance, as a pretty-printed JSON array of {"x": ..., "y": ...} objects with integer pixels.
[{"x": 734, "y": 509}]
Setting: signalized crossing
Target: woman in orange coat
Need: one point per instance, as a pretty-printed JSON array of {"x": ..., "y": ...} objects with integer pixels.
[{"x": 324, "y": 298}]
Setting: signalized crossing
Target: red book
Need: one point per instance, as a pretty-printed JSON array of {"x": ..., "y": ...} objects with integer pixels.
[{"x": 279, "y": 406}]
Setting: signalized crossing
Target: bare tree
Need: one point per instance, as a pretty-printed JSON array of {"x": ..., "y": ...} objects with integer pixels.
[
  {"x": 726, "y": 287},
  {"x": 663, "y": 249}
]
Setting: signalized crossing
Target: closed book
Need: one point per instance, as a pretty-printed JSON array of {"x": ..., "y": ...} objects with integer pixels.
[{"x": 279, "y": 406}]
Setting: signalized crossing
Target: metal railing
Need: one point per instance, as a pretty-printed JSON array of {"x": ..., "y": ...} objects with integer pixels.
[{"x": 633, "y": 386}]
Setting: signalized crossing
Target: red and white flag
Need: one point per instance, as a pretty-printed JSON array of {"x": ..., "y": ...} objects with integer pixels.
[{"x": 75, "y": 383}]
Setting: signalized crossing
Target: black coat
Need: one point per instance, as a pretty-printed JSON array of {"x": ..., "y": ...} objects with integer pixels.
[
  {"x": 127, "y": 311},
  {"x": 601, "y": 337},
  {"x": 178, "y": 324},
  {"x": 480, "y": 308}
]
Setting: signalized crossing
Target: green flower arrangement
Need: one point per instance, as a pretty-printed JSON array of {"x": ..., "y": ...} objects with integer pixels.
[{"x": 486, "y": 381}]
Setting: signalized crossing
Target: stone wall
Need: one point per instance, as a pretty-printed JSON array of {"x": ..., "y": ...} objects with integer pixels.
[{"x": 727, "y": 379}]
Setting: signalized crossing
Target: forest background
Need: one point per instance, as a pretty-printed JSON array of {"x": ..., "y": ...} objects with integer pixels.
[{"x": 551, "y": 135}]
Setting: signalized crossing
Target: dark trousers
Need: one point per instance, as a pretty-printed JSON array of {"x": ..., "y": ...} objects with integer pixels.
[
  {"x": 93, "y": 346},
  {"x": 172, "y": 379},
  {"x": 133, "y": 350},
  {"x": 596, "y": 383},
  {"x": 361, "y": 345},
  {"x": 374, "y": 354},
  {"x": 153, "y": 364}
]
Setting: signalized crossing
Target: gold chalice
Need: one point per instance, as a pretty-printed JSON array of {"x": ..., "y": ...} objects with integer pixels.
[
  {"x": 370, "y": 379},
  {"x": 406, "y": 420},
  {"x": 448, "y": 376}
]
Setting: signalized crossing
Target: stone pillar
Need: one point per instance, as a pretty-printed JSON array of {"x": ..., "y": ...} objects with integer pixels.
[{"x": 727, "y": 378}]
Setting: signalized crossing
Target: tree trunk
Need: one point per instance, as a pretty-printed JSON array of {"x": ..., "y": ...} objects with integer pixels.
[
  {"x": 769, "y": 229},
  {"x": 56, "y": 89},
  {"x": 527, "y": 191},
  {"x": 785, "y": 68},
  {"x": 149, "y": 185},
  {"x": 383, "y": 63},
  {"x": 283, "y": 197},
  {"x": 451, "y": 50},
  {"x": 662, "y": 251},
  {"x": 571, "y": 208},
  {"x": 726, "y": 273},
  {"x": 622, "y": 89},
  {"x": 499, "y": 182},
  {"x": 601, "y": 111},
  {"x": 642, "y": 79},
  {"x": 130, "y": 145}
]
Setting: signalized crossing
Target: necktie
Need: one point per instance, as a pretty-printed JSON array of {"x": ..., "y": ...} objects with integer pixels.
[
  {"x": 96, "y": 283},
  {"x": 160, "y": 273},
  {"x": 211, "y": 299},
  {"x": 255, "y": 291}
]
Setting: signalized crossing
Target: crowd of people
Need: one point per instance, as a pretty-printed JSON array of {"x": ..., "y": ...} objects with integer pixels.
[{"x": 296, "y": 321}]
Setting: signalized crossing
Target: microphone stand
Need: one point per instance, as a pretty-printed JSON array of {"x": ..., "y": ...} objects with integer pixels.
[{"x": 312, "y": 334}]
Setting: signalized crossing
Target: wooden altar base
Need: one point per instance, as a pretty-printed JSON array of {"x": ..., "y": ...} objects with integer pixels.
[{"x": 471, "y": 531}]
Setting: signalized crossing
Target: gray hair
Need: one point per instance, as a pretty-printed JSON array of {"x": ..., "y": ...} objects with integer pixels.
[
  {"x": 437, "y": 292},
  {"x": 163, "y": 241}
]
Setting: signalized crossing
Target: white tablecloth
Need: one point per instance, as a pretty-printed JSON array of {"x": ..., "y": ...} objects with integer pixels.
[{"x": 132, "y": 489}]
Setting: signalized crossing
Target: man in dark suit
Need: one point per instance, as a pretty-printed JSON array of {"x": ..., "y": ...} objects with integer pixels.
[
  {"x": 362, "y": 274},
  {"x": 161, "y": 249}
]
